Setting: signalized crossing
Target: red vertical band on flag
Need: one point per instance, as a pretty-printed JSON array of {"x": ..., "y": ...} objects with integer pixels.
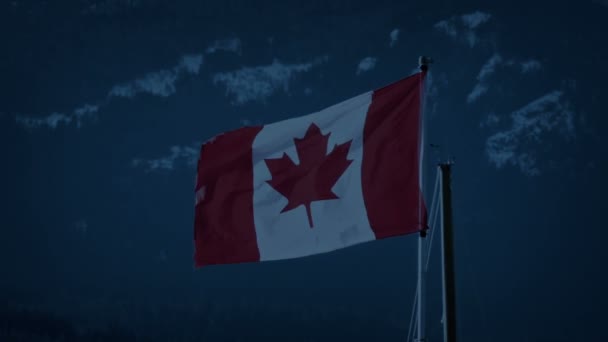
[
  {"x": 391, "y": 159},
  {"x": 224, "y": 229}
]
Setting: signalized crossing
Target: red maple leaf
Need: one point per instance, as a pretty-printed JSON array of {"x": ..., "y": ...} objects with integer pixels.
[{"x": 316, "y": 174}]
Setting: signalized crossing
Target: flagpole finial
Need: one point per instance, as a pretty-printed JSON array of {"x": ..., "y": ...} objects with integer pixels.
[{"x": 424, "y": 62}]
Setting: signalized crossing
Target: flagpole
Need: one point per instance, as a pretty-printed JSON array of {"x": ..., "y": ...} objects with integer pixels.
[
  {"x": 423, "y": 63},
  {"x": 447, "y": 251},
  {"x": 420, "y": 336}
]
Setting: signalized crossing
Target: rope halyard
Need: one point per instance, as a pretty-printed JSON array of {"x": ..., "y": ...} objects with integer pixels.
[
  {"x": 433, "y": 220},
  {"x": 433, "y": 215}
]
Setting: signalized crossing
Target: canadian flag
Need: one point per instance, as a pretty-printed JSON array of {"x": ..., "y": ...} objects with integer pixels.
[{"x": 344, "y": 175}]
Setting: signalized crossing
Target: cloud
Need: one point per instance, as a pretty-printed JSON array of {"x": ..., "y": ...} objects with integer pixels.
[
  {"x": 159, "y": 83},
  {"x": 250, "y": 84},
  {"x": 492, "y": 120},
  {"x": 187, "y": 154},
  {"x": 51, "y": 121},
  {"x": 473, "y": 20},
  {"x": 230, "y": 45},
  {"x": 191, "y": 64},
  {"x": 366, "y": 64},
  {"x": 482, "y": 78},
  {"x": 530, "y": 65},
  {"x": 489, "y": 68},
  {"x": 162, "y": 82},
  {"x": 394, "y": 35},
  {"x": 85, "y": 112},
  {"x": 463, "y": 28},
  {"x": 446, "y": 27},
  {"x": 529, "y": 125},
  {"x": 55, "y": 119}
]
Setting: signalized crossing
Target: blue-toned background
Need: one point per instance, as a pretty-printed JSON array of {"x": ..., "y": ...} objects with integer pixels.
[{"x": 104, "y": 104}]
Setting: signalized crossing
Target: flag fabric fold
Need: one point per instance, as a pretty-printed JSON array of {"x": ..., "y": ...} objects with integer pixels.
[{"x": 345, "y": 175}]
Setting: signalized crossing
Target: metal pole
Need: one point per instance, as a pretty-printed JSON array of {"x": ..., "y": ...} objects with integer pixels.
[
  {"x": 423, "y": 63},
  {"x": 421, "y": 330},
  {"x": 447, "y": 252}
]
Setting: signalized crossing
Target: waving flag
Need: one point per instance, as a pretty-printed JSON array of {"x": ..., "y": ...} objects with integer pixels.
[{"x": 328, "y": 180}]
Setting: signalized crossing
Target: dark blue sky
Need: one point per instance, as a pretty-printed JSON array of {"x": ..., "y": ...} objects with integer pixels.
[{"x": 104, "y": 105}]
